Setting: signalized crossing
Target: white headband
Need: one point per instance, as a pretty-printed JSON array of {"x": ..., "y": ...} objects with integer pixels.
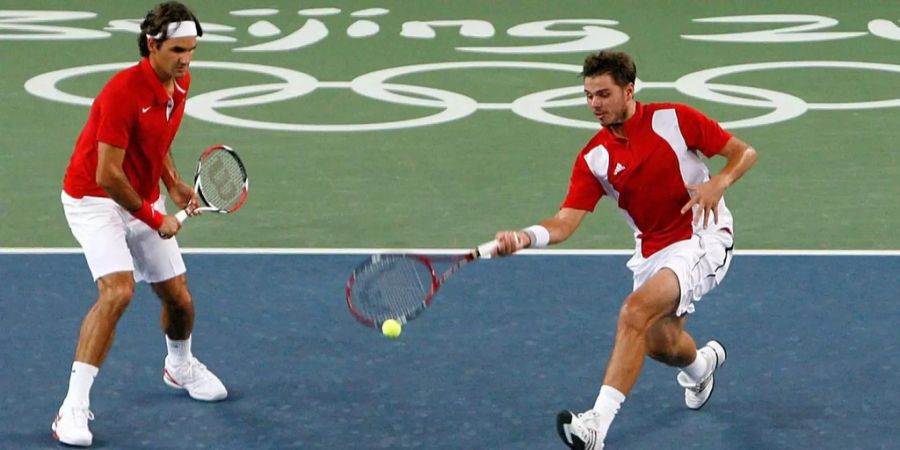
[{"x": 178, "y": 30}]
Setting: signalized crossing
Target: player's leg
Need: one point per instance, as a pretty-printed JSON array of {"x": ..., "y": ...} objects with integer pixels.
[
  {"x": 655, "y": 299},
  {"x": 159, "y": 262},
  {"x": 177, "y": 318},
  {"x": 98, "y": 225},
  {"x": 181, "y": 369},
  {"x": 98, "y": 329},
  {"x": 99, "y": 325},
  {"x": 669, "y": 343},
  {"x": 698, "y": 277}
]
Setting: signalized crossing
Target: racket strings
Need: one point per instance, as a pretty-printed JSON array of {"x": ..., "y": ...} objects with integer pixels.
[
  {"x": 222, "y": 180},
  {"x": 391, "y": 287}
]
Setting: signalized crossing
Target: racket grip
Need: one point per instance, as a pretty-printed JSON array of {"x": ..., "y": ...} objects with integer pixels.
[
  {"x": 487, "y": 250},
  {"x": 181, "y": 216}
]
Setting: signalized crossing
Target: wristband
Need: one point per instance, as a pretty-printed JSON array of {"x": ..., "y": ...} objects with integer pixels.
[
  {"x": 148, "y": 215},
  {"x": 540, "y": 236}
]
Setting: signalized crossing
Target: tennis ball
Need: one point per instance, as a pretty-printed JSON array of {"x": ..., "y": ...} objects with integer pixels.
[{"x": 391, "y": 328}]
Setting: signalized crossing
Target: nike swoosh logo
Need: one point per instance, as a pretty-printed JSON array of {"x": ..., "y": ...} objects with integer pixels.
[{"x": 143, "y": 110}]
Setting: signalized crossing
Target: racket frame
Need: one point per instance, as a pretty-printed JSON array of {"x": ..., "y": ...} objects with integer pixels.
[
  {"x": 198, "y": 186},
  {"x": 483, "y": 251}
]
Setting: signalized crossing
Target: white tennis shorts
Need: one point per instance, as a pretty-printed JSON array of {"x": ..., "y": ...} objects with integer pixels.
[
  {"x": 115, "y": 241},
  {"x": 700, "y": 263}
]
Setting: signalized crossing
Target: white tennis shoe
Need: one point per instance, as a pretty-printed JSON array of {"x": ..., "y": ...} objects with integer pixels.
[
  {"x": 70, "y": 426},
  {"x": 580, "y": 432},
  {"x": 697, "y": 393},
  {"x": 196, "y": 379}
]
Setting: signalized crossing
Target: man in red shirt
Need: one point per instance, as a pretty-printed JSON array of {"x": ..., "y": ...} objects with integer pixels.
[
  {"x": 647, "y": 159},
  {"x": 113, "y": 205}
]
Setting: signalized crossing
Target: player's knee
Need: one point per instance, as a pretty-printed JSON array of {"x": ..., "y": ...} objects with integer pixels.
[
  {"x": 180, "y": 310},
  {"x": 178, "y": 305},
  {"x": 174, "y": 295},
  {"x": 180, "y": 300},
  {"x": 117, "y": 295},
  {"x": 635, "y": 313}
]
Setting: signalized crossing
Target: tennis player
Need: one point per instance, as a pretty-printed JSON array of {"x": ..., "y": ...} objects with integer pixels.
[
  {"x": 112, "y": 202},
  {"x": 647, "y": 158}
]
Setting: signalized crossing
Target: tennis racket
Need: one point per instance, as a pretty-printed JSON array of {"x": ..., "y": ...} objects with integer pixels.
[
  {"x": 401, "y": 286},
  {"x": 221, "y": 182}
]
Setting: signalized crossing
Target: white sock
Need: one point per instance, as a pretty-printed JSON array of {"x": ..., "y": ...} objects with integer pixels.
[
  {"x": 80, "y": 382},
  {"x": 179, "y": 351},
  {"x": 696, "y": 369},
  {"x": 608, "y": 403}
]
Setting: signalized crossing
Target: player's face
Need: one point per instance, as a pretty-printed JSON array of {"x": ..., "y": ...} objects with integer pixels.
[
  {"x": 607, "y": 100},
  {"x": 173, "y": 56}
]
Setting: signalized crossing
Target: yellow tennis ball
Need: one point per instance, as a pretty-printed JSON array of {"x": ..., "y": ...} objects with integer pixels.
[{"x": 391, "y": 328}]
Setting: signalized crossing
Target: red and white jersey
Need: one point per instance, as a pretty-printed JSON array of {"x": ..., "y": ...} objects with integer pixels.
[
  {"x": 134, "y": 112},
  {"x": 647, "y": 172}
]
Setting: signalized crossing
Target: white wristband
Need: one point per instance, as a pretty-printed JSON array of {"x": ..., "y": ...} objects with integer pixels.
[{"x": 540, "y": 236}]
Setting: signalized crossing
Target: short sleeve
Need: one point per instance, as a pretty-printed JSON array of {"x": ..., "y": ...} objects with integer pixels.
[
  {"x": 700, "y": 132},
  {"x": 117, "y": 115},
  {"x": 584, "y": 189}
]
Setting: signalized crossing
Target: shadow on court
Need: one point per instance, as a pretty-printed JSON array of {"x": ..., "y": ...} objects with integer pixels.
[{"x": 812, "y": 345}]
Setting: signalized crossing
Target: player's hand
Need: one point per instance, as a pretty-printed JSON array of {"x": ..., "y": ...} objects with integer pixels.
[
  {"x": 510, "y": 242},
  {"x": 169, "y": 228},
  {"x": 706, "y": 196},
  {"x": 183, "y": 195}
]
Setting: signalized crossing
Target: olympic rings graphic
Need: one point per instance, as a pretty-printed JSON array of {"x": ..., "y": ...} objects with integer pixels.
[{"x": 452, "y": 106}]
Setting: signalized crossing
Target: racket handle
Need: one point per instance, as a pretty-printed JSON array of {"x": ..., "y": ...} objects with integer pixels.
[
  {"x": 181, "y": 216},
  {"x": 487, "y": 250}
]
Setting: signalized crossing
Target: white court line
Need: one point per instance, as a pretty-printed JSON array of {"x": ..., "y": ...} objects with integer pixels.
[{"x": 442, "y": 251}]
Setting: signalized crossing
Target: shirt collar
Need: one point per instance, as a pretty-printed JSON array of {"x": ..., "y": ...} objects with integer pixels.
[
  {"x": 635, "y": 119},
  {"x": 159, "y": 91}
]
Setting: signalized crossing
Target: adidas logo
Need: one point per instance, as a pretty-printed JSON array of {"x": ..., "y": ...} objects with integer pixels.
[{"x": 619, "y": 168}]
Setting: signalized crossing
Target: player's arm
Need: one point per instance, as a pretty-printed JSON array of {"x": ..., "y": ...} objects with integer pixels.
[
  {"x": 553, "y": 230},
  {"x": 740, "y": 158},
  {"x": 170, "y": 176},
  {"x": 111, "y": 177},
  {"x": 181, "y": 193}
]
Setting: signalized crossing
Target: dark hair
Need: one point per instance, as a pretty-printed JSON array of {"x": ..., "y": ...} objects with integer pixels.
[
  {"x": 618, "y": 65},
  {"x": 158, "y": 19}
]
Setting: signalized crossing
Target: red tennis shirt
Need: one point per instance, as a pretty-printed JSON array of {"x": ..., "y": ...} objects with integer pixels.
[
  {"x": 131, "y": 112},
  {"x": 647, "y": 172}
]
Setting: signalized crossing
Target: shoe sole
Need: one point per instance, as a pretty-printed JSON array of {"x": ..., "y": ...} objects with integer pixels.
[
  {"x": 171, "y": 381},
  {"x": 73, "y": 444},
  {"x": 712, "y": 389},
  {"x": 719, "y": 363},
  {"x": 562, "y": 419},
  {"x": 174, "y": 384}
]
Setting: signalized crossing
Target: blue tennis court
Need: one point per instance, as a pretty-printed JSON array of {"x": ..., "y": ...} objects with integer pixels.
[
  {"x": 402, "y": 124},
  {"x": 812, "y": 341}
]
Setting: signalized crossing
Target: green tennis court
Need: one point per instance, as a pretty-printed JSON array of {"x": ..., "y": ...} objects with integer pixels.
[
  {"x": 422, "y": 124},
  {"x": 470, "y": 138}
]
